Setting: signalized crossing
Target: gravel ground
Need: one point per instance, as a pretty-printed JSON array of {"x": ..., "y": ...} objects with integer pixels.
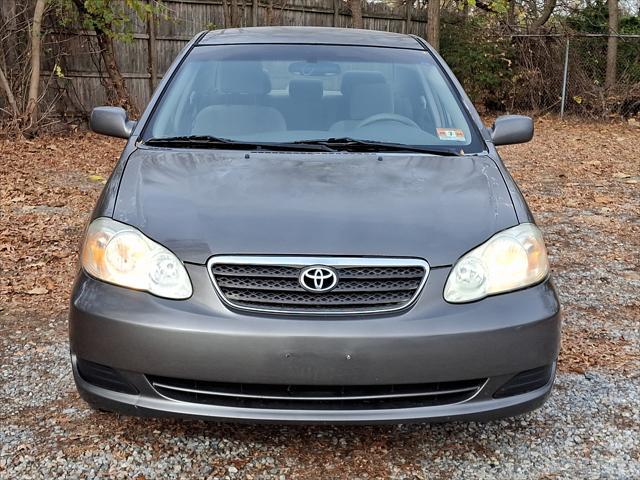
[
  {"x": 581, "y": 180},
  {"x": 587, "y": 430}
]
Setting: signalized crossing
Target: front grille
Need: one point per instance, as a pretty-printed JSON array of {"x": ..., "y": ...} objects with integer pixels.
[
  {"x": 271, "y": 284},
  {"x": 316, "y": 397}
]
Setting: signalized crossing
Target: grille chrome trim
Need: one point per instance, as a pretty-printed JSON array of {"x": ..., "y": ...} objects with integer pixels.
[
  {"x": 311, "y": 398},
  {"x": 299, "y": 262},
  {"x": 319, "y": 398}
]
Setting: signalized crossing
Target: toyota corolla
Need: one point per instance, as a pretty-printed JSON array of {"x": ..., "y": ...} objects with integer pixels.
[{"x": 312, "y": 225}]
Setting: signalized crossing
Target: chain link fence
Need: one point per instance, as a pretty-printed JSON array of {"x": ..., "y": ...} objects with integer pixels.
[
  {"x": 559, "y": 73},
  {"x": 569, "y": 74}
]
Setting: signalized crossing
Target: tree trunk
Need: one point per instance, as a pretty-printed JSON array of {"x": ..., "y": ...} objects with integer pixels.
[
  {"x": 226, "y": 20},
  {"x": 612, "y": 45},
  {"x": 465, "y": 12},
  {"x": 31, "y": 113},
  {"x": 254, "y": 13},
  {"x": 433, "y": 23},
  {"x": 270, "y": 13},
  {"x": 547, "y": 10},
  {"x": 234, "y": 14},
  {"x": 511, "y": 13},
  {"x": 119, "y": 92},
  {"x": 407, "y": 17},
  {"x": 356, "y": 13},
  {"x": 116, "y": 87},
  {"x": 4, "y": 83}
]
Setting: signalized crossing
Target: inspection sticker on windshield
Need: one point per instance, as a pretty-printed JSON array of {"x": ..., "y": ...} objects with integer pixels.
[{"x": 454, "y": 134}]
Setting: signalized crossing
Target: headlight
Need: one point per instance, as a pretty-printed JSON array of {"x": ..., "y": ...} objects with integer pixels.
[
  {"x": 120, "y": 254},
  {"x": 512, "y": 259}
]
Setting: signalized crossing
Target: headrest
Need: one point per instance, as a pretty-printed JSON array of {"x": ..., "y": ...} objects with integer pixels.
[
  {"x": 304, "y": 89},
  {"x": 350, "y": 80},
  {"x": 407, "y": 81},
  {"x": 370, "y": 99},
  {"x": 244, "y": 78}
]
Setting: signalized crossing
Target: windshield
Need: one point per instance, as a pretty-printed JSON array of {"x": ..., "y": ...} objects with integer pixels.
[{"x": 297, "y": 93}]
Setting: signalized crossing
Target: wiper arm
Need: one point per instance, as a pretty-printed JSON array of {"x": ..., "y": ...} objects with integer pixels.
[
  {"x": 354, "y": 144},
  {"x": 208, "y": 141}
]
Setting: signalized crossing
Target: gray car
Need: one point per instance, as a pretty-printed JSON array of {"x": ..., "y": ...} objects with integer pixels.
[{"x": 312, "y": 225}]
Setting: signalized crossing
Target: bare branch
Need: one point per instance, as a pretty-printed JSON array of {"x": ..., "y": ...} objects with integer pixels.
[{"x": 7, "y": 90}]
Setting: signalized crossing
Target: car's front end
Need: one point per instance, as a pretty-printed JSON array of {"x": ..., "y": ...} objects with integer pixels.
[
  {"x": 145, "y": 355},
  {"x": 305, "y": 280}
]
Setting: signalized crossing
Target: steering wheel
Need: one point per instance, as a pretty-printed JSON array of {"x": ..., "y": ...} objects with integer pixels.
[{"x": 387, "y": 117}]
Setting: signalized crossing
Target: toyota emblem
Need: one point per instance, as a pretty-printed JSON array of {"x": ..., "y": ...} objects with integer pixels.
[{"x": 318, "y": 278}]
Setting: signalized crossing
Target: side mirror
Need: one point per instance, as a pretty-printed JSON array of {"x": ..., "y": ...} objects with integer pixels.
[
  {"x": 510, "y": 129},
  {"x": 111, "y": 121}
]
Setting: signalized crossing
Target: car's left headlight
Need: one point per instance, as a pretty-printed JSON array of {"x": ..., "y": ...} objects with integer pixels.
[
  {"x": 118, "y": 253},
  {"x": 512, "y": 259}
]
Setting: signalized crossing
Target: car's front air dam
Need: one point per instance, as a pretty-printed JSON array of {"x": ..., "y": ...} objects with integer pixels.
[
  {"x": 201, "y": 339},
  {"x": 482, "y": 407}
]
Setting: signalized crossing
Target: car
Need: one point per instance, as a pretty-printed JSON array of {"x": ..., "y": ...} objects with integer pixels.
[{"x": 312, "y": 225}]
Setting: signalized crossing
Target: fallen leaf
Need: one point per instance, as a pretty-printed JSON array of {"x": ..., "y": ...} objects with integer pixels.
[
  {"x": 604, "y": 199},
  {"x": 631, "y": 275},
  {"x": 38, "y": 291}
]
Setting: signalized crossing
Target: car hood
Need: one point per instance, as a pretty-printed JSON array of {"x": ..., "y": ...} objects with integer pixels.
[{"x": 200, "y": 203}]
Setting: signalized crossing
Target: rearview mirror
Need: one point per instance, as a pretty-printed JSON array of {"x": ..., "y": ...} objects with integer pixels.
[
  {"x": 111, "y": 121},
  {"x": 315, "y": 69},
  {"x": 510, "y": 129}
]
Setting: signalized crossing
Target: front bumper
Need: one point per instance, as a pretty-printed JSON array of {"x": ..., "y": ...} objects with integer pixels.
[{"x": 138, "y": 335}]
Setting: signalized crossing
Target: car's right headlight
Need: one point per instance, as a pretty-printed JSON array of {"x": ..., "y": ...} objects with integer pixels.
[
  {"x": 512, "y": 259},
  {"x": 120, "y": 254}
]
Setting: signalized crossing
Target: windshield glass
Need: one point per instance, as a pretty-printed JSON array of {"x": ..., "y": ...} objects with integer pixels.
[{"x": 296, "y": 93}]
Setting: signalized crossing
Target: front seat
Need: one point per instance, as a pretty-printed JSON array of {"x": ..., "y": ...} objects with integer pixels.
[
  {"x": 305, "y": 110},
  {"x": 242, "y": 108},
  {"x": 350, "y": 82},
  {"x": 366, "y": 100}
]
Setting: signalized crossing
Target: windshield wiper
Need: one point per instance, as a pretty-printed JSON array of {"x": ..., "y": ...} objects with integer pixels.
[
  {"x": 207, "y": 141},
  {"x": 356, "y": 145},
  {"x": 319, "y": 145}
]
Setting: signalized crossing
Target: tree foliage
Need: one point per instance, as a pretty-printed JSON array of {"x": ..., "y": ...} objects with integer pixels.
[
  {"x": 114, "y": 17},
  {"x": 112, "y": 21},
  {"x": 479, "y": 58}
]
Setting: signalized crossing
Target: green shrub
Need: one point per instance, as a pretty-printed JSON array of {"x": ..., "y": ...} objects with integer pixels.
[{"x": 480, "y": 59}]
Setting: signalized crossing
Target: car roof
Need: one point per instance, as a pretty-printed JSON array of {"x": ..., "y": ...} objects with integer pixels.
[{"x": 311, "y": 35}]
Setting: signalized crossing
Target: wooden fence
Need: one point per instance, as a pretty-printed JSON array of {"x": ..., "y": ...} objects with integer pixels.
[{"x": 155, "y": 44}]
